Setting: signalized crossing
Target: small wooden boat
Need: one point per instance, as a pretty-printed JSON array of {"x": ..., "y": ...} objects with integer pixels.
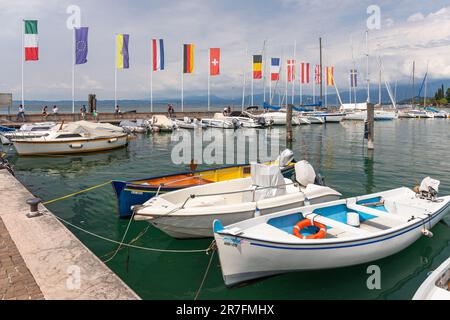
[
  {"x": 331, "y": 235},
  {"x": 189, "y": 213},
  {"x": 137, "y": 192},
  {"x": 74, "y": 138},
  {"x": 437, "y": 285}
]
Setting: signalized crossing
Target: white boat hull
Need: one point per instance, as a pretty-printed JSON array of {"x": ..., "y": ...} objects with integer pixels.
[
  {"x": 437, "y": 285},
  {"x": 192, "y": 226},
  {"x": 29, "y": 147},
  {"x": 247, "y": 258}
]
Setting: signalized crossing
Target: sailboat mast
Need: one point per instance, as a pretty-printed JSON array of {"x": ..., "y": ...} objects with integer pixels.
[
  {"x": 414, "y": 83},
  {"x": 321, "y": 73},
  {"x": 367, "y": 66}
]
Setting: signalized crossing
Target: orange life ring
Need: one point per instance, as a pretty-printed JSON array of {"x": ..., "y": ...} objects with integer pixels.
[{"x": 309, "y": 223}]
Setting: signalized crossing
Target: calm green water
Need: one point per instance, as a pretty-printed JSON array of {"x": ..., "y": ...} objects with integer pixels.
[{"x": 406, "y": 151}]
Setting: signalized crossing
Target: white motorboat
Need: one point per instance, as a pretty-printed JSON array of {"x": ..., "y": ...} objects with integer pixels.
[
  {"x": 420, "y": 114},
  {"x": 331, "y": 117},
  {"x": 328, "y": 235},
  {"x": 219, "y": 121},
  {"x": 379, "y": 115},
  {"x": 277, "y": 118},
  {"x": 134, "y": 127},
  {"x": 188, "y": 123},
  {"x": 28, "y": 130},
  {"x": 313, "y": 119},
  {"x": 189, "y": 213},
  {"x": 437, "y": 285},
  {"x": 76, "y": 137},
  {"x": 163, "y": 124}
]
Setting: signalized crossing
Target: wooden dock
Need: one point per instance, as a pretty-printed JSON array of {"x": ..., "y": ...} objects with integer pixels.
[{"x": 41, "y": 259}]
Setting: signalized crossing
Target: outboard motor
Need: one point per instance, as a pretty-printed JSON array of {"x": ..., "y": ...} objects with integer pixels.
[
  {"x": 429, "y": 188},
  {"x": 305, "y": 173},
  {"x": 320, "y": 181},
  {"x": 285, "y": 158}
]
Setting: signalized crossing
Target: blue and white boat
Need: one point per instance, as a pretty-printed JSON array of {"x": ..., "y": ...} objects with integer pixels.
[{"x": 329, "y": 235}]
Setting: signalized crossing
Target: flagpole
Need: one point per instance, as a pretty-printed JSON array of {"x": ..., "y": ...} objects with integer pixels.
[
  {"x": 209, "y": 79},
  {"x": 253, "y": 76},
  {"x": 264, "y": 69},
  {"x": 293, "y": 72},
  {"x": 182, "y": 79},
  {"x": 152, "y": 54},
  {"x": 73, "y": 71},
  {"x": 115, "y": 71},
  {"x": 23, "y": 61},
  {"x": 245, "y": 78}
]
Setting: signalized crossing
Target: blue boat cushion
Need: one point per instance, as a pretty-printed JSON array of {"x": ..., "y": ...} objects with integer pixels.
[{"x": 337, "y": 213}]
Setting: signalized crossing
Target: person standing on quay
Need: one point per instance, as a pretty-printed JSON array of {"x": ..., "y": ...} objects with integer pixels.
[
  {"x": 55, "y": 111},
  {"x": 45, "y": 112},
  {"x": 21, "y": 114}
]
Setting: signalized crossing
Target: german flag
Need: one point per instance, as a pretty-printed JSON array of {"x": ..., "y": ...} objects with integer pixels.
[
  {"x": 188, "y": 58},
  {"x": 257, "y": 67}
]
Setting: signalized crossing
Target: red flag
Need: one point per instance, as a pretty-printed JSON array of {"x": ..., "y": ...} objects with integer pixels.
[
  {"x": 214, "y": 61},
  {"x": 291, "y": 70},
  {"x": 318, "y": 74},
  {"x": 305, "y": 73}
]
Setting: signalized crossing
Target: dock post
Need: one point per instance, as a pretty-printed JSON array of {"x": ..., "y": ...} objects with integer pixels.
[
  {"x": 289, "y": 134},
  {"x": 370, "y": 125}
]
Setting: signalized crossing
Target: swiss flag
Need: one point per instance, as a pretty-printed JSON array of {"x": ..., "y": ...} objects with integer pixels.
[{"x": 214, "y": 61}]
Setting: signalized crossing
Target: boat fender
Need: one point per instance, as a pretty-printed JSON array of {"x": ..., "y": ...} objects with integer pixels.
[
  {"x": 76, "y": 146},
  {"x": 427, "y": 233},
  {"x": 113, "y": 140},
  {"x": 310, "y": 223}
]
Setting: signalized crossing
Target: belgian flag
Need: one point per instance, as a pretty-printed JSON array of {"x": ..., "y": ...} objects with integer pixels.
[
  {"x": 257, "y": 67},
  {"x": 188, "y": 58}
]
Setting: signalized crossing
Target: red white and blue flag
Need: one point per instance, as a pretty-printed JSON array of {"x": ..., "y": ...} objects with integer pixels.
[
  {"x": 275, "y": 69},
  {"x": 158, "y": 54},
  {"x": 305, "y": 70}
]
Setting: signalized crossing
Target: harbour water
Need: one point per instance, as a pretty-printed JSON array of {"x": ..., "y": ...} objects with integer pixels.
[{"x": 406, "y": 151}]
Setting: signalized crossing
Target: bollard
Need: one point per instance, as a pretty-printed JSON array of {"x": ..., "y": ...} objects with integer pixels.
[{"x": 34, "y": 207}]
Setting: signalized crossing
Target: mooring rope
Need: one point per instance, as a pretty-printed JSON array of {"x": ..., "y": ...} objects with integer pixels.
[
  {"x": 212, "y": 247},
  {"x": 77, "y": 193},
  {"x": 129, "y": 245}
]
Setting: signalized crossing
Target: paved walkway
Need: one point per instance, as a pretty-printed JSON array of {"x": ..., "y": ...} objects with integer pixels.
[
  {"x": 43, "y": 251},
  {"x": 16, "y": 281}
]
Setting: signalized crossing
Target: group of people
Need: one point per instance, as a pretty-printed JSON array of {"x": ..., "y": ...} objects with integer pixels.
[{"x": 45, "y": 114}]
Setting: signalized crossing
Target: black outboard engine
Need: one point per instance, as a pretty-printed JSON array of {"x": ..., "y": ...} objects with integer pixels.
[
  {"x": 320, "y": 180},
  {"x": 261, "y": 121}
]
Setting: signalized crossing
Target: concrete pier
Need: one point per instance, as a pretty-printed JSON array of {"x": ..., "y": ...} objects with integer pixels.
[
  {"x": 41, "y": 259},
  {"x": 11, "y": 120}
]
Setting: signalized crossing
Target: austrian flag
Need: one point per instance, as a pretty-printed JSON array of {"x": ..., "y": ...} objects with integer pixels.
[{"x": 30, "y": 40}]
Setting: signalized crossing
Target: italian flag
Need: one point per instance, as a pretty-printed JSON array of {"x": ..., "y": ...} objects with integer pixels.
[{"x": 31, "y": 40}]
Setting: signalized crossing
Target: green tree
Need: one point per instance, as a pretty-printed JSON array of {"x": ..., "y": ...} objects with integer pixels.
[
  {"x": 447, "y": 94},
  {"x": 440, "y": 94}
]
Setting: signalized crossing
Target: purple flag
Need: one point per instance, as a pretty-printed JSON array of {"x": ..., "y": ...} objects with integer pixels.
[
  {"x": 81, "y": 44},
  {"x": 126, "y": 55}
]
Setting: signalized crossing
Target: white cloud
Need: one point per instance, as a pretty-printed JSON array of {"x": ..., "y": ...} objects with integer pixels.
[{"x": 232, "y": 25}]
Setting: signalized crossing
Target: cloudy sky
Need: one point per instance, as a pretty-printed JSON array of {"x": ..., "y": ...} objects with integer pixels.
[{"x": 410, "y": 30}]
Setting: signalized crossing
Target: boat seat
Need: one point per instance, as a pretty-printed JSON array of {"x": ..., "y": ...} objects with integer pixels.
[
  {"x": 207, "y": 201},
  {"x": 373, "y": 212}
]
